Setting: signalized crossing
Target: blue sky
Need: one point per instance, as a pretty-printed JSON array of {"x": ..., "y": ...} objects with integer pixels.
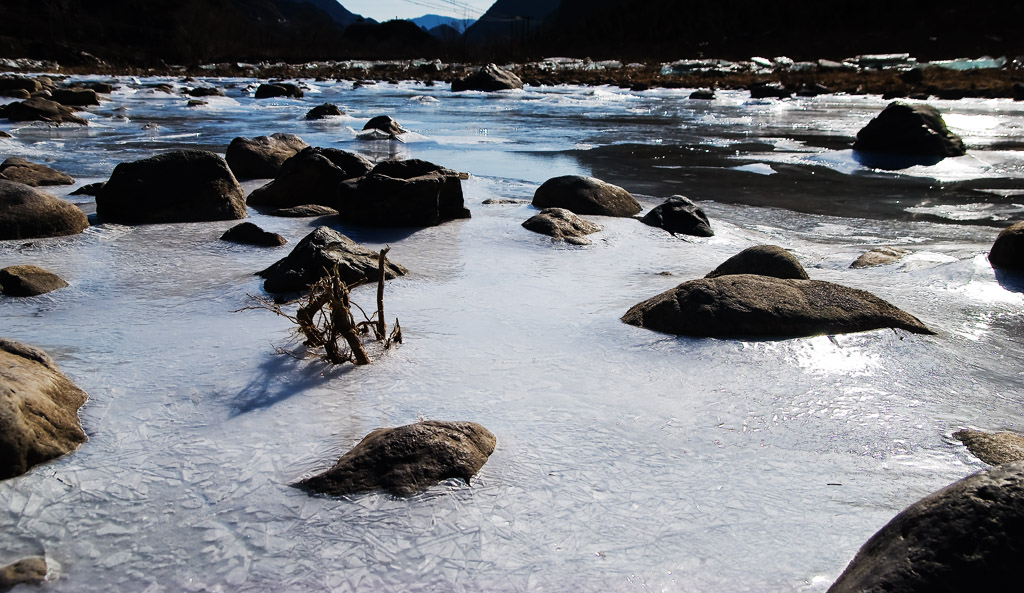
[{"x": 383, "y": 10}]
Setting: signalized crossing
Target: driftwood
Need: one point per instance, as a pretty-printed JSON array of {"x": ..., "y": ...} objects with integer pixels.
[{"x": 326, "y": 319}]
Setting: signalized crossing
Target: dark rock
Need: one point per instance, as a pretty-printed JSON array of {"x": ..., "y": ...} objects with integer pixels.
[
  {"x": 994, "y": 448},
  {"x": 304, "y": 211},
  {"x": 813, "y": 90},
  {"x": 912, "y": 76},
  {"x": 965, "y": 537},
  {"x": 27, "y": 213},
  {"x": 894, "y": 94},
  {"x": 879, "y": 256},
  {"x": 205, "y": 91},
  {"x": 163, "y": 87},
  {"x": 196, "y": 103},
  {"x": 386, "y": 124},
  {"x": 262, "y": 156},
  {"x": 19, "y": 170},
  {"x": 410, "y": 193},
  {"x": 679, "y": 216},
  {"x": 769, "y": 90},
  {"x": 762, "y": 260},
  {"x": 178, "y": 186},
  {"x": 909, "y": 129},
  {"x": 1008, "y": 249},
  {"x": 28, "y": 571},
  {"x": 585, "y": 195},
  {"x": 324, "y": 111},
  {"x": 488, "y": 78},
  {"x": 278, "y": 89},
  {"x": 311, "y": 176},
  {"x": 8, "y": 83},
  {"x": 748, "y": 305},
  {"x": 4, "y": 134},
  {"x": 563, "y": 225},
  {"x": 703, "y": 95},
  {"x": 408, "y": 459},
  {"x": 103, "y": 88},
  {"x": 39, "y": 109},
  {"x": 1018, "y": 91},
  {"x": 319, "y": 252},
  {"x": 952, "y": 94},
  {"x": 16, "y": 94},
  {"x": 38, "y": 409},
  {"x": 28, "y": 281},
  {"x": 503, "y": 201},
  {"x": 76, "y": 97},
  {"x": 89, "y": 189},
  {"x": 248, "y": 233}
]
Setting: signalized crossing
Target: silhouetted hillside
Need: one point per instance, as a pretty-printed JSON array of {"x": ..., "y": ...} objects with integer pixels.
[{"x": 510, "y": 23}]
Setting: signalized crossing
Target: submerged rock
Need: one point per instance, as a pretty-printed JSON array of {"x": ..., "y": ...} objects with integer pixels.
[
  {"x": 76, "y": 97},
  {"x": 33, "y": 174},
  {"x": 762, "y": 260},
  {"x": 965, "y": 537},
  {"x": 679, "y": 216},
  {"x": 747, "y": 305},
  {"x": 27, "y": 213},
  {"x": 324, "y": 111},
  {"x": 304, "y": 211},
  {"x": 408, "y": 459},
  {"x": 205, "y": 91},
  {"x": 994, "y": 448},
  {"x": 585, "y": 195},
  {"x": 40, "y": 109},
  {"x": 1008, "y": 249},
  {"x": 278, "y": 89},
  {"x": 562, "y": 225},
  {"x": 28, "y": 280},
  {"x": 312, "y": 176},
  {"x": 319, "y": 253},
  {"x": 248, "y": 233},
  {"x": 703, "y": 95},
  {"x": 488, "y": 78},
  {"x": 916, "y": 129},
  {"x": 879, "y": 256},
  {"x": 397, "y": 193},
  {"x": 28, "y": 571},
  {"x": 38, "y": 409},
  {"x": 262, "y": 157},
  {"x": 178, "y": 186}
]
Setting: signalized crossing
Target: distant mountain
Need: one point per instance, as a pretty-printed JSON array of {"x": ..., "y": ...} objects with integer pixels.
[
  {"x": 510, "y": 23},
  {"x": 332, "y": 9},
  {"x": 432, "y": 21}
]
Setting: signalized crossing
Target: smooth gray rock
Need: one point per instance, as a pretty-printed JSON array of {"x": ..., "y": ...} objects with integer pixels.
[
  {"x": 762, "y": 260},
  {"x": 28, "y": 213},
  {"x": 324, "y": 111},
  {"x": 32, "y": 174},
  {"x": 178, "y": 186},
  {"x": 40, "y": 109},
  {"x": 562, "y": 225},
  {"x": 28, "y": 280},
  {"x": 385, "y": 124},
  {"x": 916, "y": 129},
  {"x": 317, "y": 254},
  {"x": 994, "y": 448},
  {"x": 488, "y": 78},
  {"x": 747, "y": 305},
  {"x": 262, "y": 157},
  {"x": 679, "y": 216},
  {"x": 408, "y": 459},
  {"x": 585, "y": 195},
  {"x": 968, "y": 536},
  {"x": 880, "y": 256}
]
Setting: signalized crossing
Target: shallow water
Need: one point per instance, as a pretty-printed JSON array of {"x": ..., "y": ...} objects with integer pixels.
[{"x": 627, "y": 460}]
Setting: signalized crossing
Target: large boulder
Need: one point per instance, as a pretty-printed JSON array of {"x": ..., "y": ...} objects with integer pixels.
[
  {"x": 562, "y": 225},
  {"x": 27, "y": 571},
  {"x": 488, "y": 78},
  {"x": 762, "y": 260},
  {"x": 324, "y": 111},
  {"x": 386, "y": 125},
  {"x": 585, "y": 195},
  {"x": 178, "y": 186},
  {"x": 994, "y": 448},
  {"x": 28, "y": 280},
  {"x": 33, "y": 174},
  {"x": 40, "y": 109},
  {"x": 248, "y": 233},
  {"x": 261, "y": 157},
  {"x": 278, "y": 89},
  {"x": 9, "y": 83},
  {"x": 76, "y": 97},
  {"x": 408, "y": 459},
  {"x": 1008, "y": 249},
  {"x": 311, "y": 176},
  {"x": 409, "y": 193},
  {"x": 748, "y": 305},
  {"x": 38, "y": 409},
  {"x": 969, "y": 536},
  {"x": 318, "y": 254},
  {"x": 27, "y": 213},
  {"x": 916, "y": 129},
  {"x": 679, "y": 216}
]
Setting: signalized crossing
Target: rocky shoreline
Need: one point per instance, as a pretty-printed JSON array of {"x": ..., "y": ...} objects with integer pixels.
[{"x": 894, "y": 76}]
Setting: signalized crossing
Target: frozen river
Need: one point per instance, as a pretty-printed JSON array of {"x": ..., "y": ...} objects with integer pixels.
[{"x": 627, "y": 460}]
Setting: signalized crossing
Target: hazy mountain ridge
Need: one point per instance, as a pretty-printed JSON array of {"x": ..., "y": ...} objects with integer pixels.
[{"x": 432, "y": 21}]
